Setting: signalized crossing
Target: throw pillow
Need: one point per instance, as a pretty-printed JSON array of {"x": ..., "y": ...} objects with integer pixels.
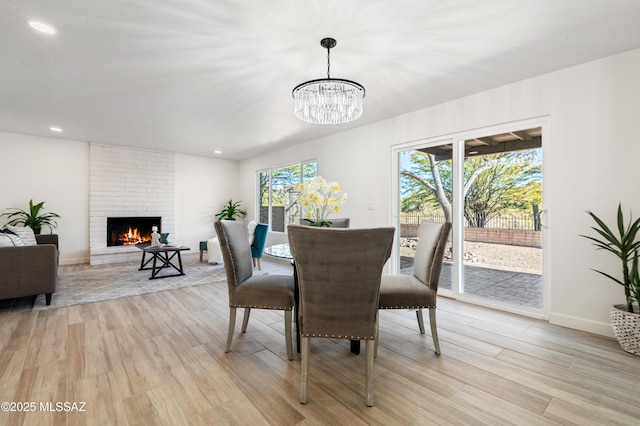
[
  {"x": 10, "y": 239},
  {"x": 252, "y": 230},
  {"x": 25, "y": 233}
]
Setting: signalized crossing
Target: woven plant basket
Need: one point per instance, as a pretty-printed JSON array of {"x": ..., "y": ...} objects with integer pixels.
[{"x": 626, "y": 327}]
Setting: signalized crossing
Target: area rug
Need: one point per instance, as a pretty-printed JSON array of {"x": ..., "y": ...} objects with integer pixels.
[{"x": 106, "y": 282}]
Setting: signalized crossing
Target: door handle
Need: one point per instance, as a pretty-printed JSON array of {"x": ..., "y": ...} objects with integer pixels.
[{"x": 543, "y": 218}]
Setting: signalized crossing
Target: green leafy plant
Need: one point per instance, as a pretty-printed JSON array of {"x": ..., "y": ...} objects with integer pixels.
[
  {"x": 33, "y": 218},
  {"x": 621, "y": 241},
  {"x": 634, "y": 277},
  {"x": 231, "y": 211}
]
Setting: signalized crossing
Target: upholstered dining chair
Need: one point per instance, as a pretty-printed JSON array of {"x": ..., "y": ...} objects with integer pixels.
[
  {"x": 339, "y": 274},
  {"x": 419, "y": 290},
  {"x": 250, "y": 291},
  {"x": 257, "y": 245}
]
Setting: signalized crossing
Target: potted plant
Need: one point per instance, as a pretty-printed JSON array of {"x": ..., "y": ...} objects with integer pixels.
[
  {"x": 231, "y": 211},
  {"x": 621, "y": 241},
  {"x": 33, "y": 218}
]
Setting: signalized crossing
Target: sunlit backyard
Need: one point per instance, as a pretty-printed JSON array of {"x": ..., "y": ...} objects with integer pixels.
[{"x": 499, "y": 202}]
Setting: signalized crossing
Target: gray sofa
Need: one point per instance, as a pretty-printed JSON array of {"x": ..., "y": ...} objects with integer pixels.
[{"x": 29, "y": 270}]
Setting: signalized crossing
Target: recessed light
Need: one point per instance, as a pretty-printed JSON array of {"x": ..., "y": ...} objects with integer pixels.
[
  {"x": 42, "y": 27},
  {"x": 217, "y": 152},
  {"x": 55, "y": 129}
]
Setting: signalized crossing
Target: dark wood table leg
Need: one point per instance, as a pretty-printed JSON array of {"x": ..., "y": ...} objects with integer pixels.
[
  {"x": 296, "y": 303},
  {"x": 166, "y": 260},
  {"x": 142, "y": 264},
  {"x": 154, "y": 269},
  {"x": 180, "y": 263}
]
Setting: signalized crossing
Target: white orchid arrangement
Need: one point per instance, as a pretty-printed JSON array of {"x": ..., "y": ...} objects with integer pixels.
[{"x": 320, "y": 198}]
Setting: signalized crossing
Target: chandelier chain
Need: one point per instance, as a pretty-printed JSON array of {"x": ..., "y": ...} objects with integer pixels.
[{"x": 328, "y": 62}]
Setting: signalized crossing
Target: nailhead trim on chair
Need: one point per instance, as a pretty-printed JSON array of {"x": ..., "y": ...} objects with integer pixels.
[
  {"x": 286, "y": 308},
  {"x": 409, "y": 307},
  {"x": 333, "y": 336}
]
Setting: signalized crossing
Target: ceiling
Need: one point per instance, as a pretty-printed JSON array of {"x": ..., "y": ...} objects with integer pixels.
[{"x": 195, "y": 76}]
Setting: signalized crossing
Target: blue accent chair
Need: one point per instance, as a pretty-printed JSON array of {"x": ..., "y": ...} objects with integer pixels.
[{"x": 259, "y": 240}]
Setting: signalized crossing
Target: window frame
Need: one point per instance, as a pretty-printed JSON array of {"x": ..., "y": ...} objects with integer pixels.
[{"x": 268, "y": 185}]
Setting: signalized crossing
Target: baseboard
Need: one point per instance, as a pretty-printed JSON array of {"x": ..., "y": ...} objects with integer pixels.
[
  {"x": 595, "y": 327},
  {"x": 74, "y": 261},
  {"x": 494, "y": 304}
]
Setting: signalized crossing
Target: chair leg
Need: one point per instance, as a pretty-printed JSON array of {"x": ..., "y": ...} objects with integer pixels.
[
  {"x": 245, "y": 320},
  {"x": 420, "y": 320},
  {"x": 304, "y": 369},
  {"x": 375, "y": 351},
  {"x": 254, "y": 261},
  {"x": 368, "y": 371},
  {"x": 287, "y": 334},
  {"x": 232, "y": 325},
  {"x": 434, "y": 329},
  {"x": 259, "y": 266}
]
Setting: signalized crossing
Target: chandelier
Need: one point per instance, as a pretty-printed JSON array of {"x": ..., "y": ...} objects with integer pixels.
[{"x": 328, "y": 100}]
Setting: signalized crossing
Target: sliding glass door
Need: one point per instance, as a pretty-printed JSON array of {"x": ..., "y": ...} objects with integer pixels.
[
  {"x": 425, "y": 195},
  {"x": 502, "y": 235},
  {"x": 490, "y": 188}
]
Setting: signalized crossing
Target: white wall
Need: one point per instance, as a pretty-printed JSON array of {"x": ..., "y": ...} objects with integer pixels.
[
  {"x": 54, "y": 171},
  {"x": 590, "y": 162},
  {"x": 57, "y": 171},
  {"x": 203, "y": 186}
]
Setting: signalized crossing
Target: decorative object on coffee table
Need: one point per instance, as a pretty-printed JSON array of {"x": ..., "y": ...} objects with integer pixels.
[
  {"x": 155, "y": 237},
  {"x": 33, "y": 218},
  {"x": 622, "y": 242}
]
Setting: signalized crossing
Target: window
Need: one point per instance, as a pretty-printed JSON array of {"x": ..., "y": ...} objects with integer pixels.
[{"x": 278, "y": 195}]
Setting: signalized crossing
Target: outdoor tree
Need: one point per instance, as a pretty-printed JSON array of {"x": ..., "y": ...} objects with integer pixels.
[
  {"x": 278, "y": 188},
  {"x": 427, "y": 183},
  {"x": 493, "y": 184}
]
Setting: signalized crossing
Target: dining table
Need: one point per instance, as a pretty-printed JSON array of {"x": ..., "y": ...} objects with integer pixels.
[{"x": 283, "y": 251}]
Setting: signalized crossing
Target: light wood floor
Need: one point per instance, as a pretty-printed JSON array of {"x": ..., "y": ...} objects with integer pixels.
[{"x": 159, "y": 359}]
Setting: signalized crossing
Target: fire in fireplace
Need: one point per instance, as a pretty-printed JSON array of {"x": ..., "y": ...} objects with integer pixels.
[{"x": 122, "y": 231}]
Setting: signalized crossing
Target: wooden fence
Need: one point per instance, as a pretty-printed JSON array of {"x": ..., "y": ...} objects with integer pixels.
[{"x": 518, "y": 235}]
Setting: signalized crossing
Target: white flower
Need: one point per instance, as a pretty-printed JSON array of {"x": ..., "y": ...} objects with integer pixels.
[{"x": 319, "y": 198}]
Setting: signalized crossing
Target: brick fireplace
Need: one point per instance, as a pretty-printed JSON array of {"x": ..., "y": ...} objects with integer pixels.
[{"x": 127, "y": 182}]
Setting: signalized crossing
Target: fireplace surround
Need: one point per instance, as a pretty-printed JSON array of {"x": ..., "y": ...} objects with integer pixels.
[{"x": 128, "y": 182}]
